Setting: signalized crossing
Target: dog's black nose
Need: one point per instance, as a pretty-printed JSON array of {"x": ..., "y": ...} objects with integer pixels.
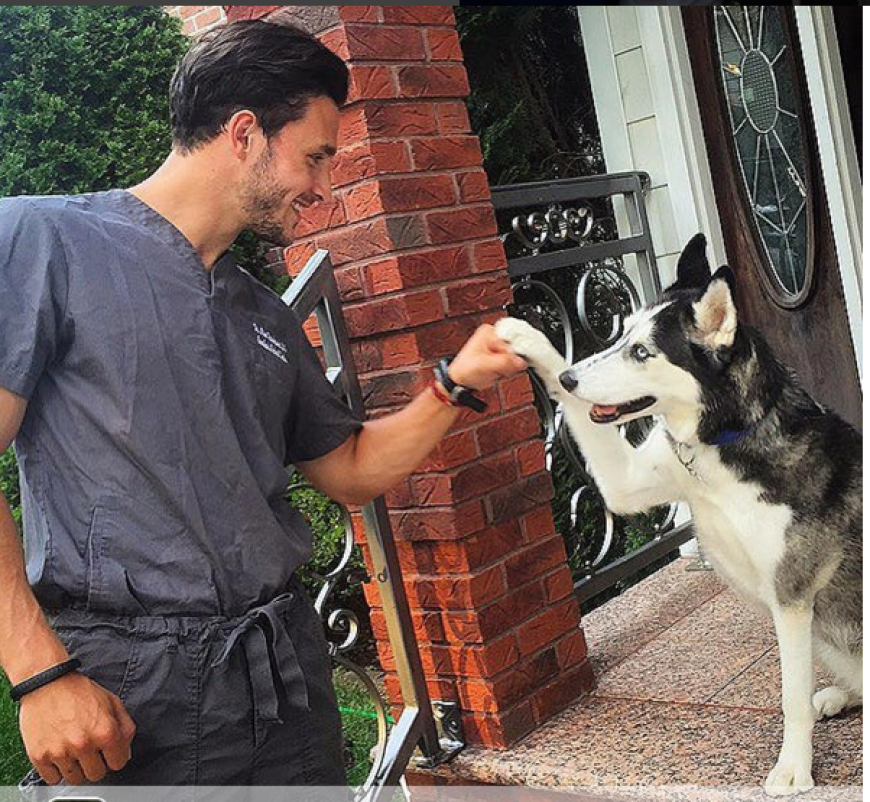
[{"x": 568, "y": 381}]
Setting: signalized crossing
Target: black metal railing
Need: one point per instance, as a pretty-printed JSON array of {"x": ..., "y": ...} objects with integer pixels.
[
  {"x": 314, "y": 291},
  {"x": 576, "y": 278}
]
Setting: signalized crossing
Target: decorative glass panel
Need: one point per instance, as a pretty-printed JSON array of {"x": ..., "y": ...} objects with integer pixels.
[{"x": 761, "y": 96}]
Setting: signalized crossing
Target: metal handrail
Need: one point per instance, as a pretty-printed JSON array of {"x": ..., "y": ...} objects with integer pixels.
[{"x": 314, "y": 291}]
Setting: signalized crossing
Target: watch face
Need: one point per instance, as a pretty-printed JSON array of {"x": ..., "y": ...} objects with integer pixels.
[{"x": 759, "y": 80}]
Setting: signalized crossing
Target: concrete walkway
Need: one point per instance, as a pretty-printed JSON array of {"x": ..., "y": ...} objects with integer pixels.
[{"x": 687, "y": 695}]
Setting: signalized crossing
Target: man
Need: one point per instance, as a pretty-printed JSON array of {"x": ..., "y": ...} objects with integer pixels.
[{"x": 156, "y": 393}]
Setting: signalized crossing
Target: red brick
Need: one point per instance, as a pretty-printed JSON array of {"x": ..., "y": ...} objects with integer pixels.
[
  {"x": 296, "y": 256},
  {"x": 367, "y": 82},
  {"x": 501, "y": 730},
  {"x": 383, "y": 43},
  {"x": 571, "y": 651},
  {"x": 446, "y": 152},
  {"x": 453, "y": 117},
  {"x": 535, "y": 560},
  {"x": 454, "y": 450},
  {"x": 488, "y": 256},
  {"x": 538, "y": 524},
  {"x": 530, "y": 457},
  {"x": 474, "y": 553},
  {"x": 418, "y": 15},
  {"x": 431, "y": 490},
  {"x": 557, "y": 695},
  {"x": 558, "y": 585},
  {"x": 208, "y": 17},
  {"x": 372, "y": 238},
  {"x": 336, "y": 41},
  {"x": 320, "y": 217},
  {"x": 419, "y": 192},
  {"x": 408, "y": 270},
  {"x": 363, "y": 200},
  {"x": 368, "y": 159},
  {"x": 399, "y": 350},
  {"x": 511, "y": 502},
  {"x": 520, "y": 604},
  {"x": 244, "y": 12},
  {"x": 515, "y": 427},
  {"x": 482, "y": 477},
  {"x": 516, "y": 391},
  {"x": 443, "y": 44},
  {"x": 456, "y": 592},
  {"x": 473, "y": 186},
  {"x": 545, "y": 629},
  {"x": 433, "y": 80},
  {"x": 389, "y": 389},
  {"x": 413, "y": 309},
  {"x": 360, "y": 13},
  {"x": 468, "y": 222},
  {"x": 349, "y": 284},
  {"x": 399, "y": 496},
  {"x": 446, "y": 337},
  {"x": 478, "y": 295},
  {"x": 400, "y": 119},
  {"x": 438, "y": 524},
  {"x": 352, "y": 128}
]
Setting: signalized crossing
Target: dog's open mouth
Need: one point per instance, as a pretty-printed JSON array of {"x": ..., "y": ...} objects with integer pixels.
[{"x": 602, "y": 413}]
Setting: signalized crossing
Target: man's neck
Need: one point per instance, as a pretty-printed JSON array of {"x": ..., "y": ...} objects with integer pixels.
[{"x": 188, "y": 192}]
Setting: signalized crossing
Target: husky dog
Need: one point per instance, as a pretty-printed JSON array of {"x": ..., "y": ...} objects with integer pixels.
[{"x": 772, "y": 478}]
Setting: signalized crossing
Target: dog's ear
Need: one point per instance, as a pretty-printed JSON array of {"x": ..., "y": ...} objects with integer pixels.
[
  {"x": 727, "y": 274},
  {"x": 693, "y": 269},
  {"x": 716, "y": 315}
]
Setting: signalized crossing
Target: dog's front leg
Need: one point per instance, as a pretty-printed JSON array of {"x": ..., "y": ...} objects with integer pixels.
[
  {"x": 793, "y": 770},
  {"x": 631, "y": 480}
]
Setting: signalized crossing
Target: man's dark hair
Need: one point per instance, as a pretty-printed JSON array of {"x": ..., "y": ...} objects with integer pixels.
[{"x": 272, "y": 70}]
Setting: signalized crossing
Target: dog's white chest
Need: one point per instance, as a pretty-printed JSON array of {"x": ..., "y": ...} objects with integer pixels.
[{"x": 742, "y": 535}]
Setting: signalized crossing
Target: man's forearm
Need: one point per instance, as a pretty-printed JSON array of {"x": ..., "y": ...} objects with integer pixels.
[
  {"x": 384, "y": 451},
  {"x": 27, "y": 643}
]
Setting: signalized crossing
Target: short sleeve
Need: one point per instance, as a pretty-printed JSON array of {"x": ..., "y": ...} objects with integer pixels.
[
  {"x": 33, "y": 291},
  {"x": 319, "y": 421}
]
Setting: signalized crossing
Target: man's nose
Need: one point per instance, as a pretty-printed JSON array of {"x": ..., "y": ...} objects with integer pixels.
[
  {"x": 323, "y": 189},
  {"x": 567, "y": 380}
]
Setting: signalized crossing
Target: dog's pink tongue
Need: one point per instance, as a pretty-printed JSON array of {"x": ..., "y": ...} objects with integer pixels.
[{"x": 601, "y": 409}]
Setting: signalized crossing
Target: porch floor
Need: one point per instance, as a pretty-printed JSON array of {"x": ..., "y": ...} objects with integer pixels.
[{"x": 687, "y": 694}]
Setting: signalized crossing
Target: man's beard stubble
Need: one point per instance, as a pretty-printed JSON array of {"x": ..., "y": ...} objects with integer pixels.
[{"x": 261, "y": 200}]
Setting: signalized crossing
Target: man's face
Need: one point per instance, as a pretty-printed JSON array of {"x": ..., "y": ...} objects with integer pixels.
[{"x": 291, "y": 173}]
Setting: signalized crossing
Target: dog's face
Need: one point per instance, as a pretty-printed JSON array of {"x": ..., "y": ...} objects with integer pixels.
[{"x": 667, "y": 350}]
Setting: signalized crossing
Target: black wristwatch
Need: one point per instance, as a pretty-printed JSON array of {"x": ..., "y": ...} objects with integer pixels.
[{"x": 458, "y": 394}]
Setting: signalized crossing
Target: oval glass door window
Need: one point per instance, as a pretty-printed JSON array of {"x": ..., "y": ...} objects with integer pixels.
[{"x": 758, "y": 78}]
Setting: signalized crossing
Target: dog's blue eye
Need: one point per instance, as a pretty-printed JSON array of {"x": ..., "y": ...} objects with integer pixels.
[{"x": 640, "y": 353}]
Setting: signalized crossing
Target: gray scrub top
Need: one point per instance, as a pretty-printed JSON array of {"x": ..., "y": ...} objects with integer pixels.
[{"x": 165, "y": 402}]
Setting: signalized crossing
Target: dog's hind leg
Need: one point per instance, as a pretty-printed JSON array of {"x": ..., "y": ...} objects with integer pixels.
[
  {"x": 793, "y": 770},
  {"x": 847, "y": 669}
]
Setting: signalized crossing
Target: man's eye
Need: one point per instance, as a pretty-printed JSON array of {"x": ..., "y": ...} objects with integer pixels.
[{"x": 640, "y": 353}]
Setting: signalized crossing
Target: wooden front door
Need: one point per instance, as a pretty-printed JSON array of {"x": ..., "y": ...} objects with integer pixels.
[{"x": 763, "y": 155}]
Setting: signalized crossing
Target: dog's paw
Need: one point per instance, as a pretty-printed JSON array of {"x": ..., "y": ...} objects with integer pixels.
[
  {"x": 788, "y": 777},
  {"x": 830, "y": 701},
  {"x": 531, "y": 344}
]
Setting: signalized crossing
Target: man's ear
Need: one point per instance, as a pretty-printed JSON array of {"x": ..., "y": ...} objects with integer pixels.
[
  {"x": 715, "y": 315},
  {"x": 241, "y": 128},
  {"x": 693, "y": 269}
]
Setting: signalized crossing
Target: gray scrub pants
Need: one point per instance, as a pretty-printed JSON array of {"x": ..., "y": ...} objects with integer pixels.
[{"x": 216, "y": 701}]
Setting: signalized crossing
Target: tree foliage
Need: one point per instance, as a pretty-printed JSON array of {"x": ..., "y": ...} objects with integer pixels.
[
  {"x": 531, "y": 101},
  {"x": 83, "y": 96}
]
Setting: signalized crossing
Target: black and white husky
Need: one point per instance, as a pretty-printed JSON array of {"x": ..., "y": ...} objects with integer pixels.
[{"x": 773, "y": 480}]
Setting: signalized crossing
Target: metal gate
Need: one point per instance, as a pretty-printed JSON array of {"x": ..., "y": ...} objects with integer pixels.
[
  {"x": 576, "y": 278},
  {"x": 314, "y": 291}
]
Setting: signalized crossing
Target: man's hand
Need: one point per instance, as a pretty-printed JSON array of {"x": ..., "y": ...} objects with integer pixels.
[
  {"x": 484, "y": 359},
  {"x": 75, "y": 729}
]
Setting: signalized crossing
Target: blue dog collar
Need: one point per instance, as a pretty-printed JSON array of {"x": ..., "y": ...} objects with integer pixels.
[{"x": 728, "y": 436}]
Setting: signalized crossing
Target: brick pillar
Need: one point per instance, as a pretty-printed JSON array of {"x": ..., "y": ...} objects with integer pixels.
[{"x": 412, "y": 236}]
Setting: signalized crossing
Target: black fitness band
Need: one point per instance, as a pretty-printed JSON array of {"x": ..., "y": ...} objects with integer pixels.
[{"x": 43, "y": 678}]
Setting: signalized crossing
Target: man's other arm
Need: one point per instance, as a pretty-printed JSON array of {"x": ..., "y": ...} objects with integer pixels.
[{"x": 72, "y": 728}]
